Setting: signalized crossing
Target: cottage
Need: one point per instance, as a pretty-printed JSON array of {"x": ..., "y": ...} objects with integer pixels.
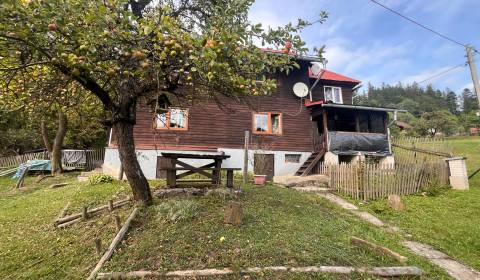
[{"x": 291, "y": 135}]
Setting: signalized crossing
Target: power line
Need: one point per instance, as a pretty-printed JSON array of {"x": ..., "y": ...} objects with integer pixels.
[
  {"x": 419, "y": 24},
  {"x": 442, "y": 73}
]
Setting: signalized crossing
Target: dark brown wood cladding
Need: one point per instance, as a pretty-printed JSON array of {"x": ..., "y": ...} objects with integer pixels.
[{"x": 211, "y": 127}]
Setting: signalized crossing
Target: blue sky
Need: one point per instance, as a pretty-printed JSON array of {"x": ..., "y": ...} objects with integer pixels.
[{"x": 369, "y": 43}]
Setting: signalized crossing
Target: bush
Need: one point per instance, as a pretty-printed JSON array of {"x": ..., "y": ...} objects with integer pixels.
[
  {"x": 177, "y": 210},
  {"x": 100, "y": 178},
  {"x": 433, "y": 188}
]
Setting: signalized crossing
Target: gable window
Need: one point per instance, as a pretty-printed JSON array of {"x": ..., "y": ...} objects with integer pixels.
[
  {"x": 333, "y": 94},
  {"x": 173, "y": 119},
  {"x": 267, "y": 123}
]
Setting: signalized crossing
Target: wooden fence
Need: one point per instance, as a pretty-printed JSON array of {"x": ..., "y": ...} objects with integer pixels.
[
  {"x": 370, "y": 181},
  {"x": 13, "y": 161},
  {"x": 93, "y": 159}
]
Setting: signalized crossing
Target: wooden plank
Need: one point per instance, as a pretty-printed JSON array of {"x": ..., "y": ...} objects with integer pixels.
[
  {"x": 395, "y": 271},
  {"x": 377, "y": 249},
  {"x": 118, "y": 238}
]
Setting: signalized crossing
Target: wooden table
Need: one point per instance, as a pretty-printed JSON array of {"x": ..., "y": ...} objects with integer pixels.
[{"x": 215, "y": 167}]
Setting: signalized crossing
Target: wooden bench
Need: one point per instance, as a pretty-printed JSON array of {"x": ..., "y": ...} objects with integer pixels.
[{"x": 214, "y": 178}]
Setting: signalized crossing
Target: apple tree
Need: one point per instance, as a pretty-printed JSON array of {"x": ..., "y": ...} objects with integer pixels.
[{"x": 121, "y": 51}]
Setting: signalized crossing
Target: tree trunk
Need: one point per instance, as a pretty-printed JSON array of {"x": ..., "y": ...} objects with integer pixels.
[
  {"x": 46, "y": 141},
  {"x": 56, "y": 155},
  {"x": 123, "y": 130}
]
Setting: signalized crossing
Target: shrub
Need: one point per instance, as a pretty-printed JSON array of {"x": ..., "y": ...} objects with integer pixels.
[
  {"x": 177, "y": 210},
  {"x": 100, "y": 178},
  {"x": 433, "y": 188}
]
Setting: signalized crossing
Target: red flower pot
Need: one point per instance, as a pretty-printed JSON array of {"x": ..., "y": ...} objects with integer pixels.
[{"x": 259, "y": 179}]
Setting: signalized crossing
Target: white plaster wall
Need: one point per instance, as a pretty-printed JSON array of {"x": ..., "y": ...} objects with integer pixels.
[
  {"x": 331, "y": 158},
  {"x": 148, "y": 160}
]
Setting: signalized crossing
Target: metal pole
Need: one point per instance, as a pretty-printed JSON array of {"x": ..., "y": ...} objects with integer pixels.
[
  {"x": 473, "y": 71},
  {"x": 245, "y": 157}
]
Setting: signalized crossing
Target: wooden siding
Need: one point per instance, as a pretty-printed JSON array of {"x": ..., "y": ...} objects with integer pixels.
[{"x": 211, "y": 127}]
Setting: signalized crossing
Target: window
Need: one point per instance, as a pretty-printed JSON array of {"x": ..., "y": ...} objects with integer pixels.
[
  {"x": 333, "y": 94},
  {"x": 292, "y": 158},
  {"x": 267, "y": 123},
  {"x": 173, "y": 119}
]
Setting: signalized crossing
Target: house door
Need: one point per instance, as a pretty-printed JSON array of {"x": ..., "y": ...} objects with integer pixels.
[{"x": 264, "y": 164}]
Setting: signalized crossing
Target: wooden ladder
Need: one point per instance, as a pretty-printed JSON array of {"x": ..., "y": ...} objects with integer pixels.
[{"x": 308, "y": 165}]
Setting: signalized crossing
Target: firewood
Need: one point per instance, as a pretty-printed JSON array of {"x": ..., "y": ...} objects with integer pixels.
[
  {"x": 378, "y": 249},
  {"x": 376, "y": 271},
  {"x": 118, "y": 238}
]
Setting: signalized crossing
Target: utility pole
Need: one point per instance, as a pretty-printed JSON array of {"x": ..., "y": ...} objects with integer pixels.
[{"x": 473, "y": 71}]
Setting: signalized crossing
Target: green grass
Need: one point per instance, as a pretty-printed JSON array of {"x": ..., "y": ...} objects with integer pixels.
[
  {"x": 449, "y": 221},
  {"x": 469, "y": 147},
  {"x": 281, "y": 227},
  {"x": 32, "y": 248}
]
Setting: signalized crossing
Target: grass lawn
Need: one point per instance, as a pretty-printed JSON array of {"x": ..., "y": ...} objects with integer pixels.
[
  {"x": 449, "y": 221},
  {"x": 281, "y": 227}
]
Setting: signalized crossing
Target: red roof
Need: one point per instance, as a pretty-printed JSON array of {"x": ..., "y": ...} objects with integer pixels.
[
  {"x": 332, "y": 76},
  {"x": 326, "y": 74}
]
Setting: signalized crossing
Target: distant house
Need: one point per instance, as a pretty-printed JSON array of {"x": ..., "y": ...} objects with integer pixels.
[
  {"x": 403, "y": 125},
  {"x": 474, "y": 130},
  {"x": 294, "y": 134}
]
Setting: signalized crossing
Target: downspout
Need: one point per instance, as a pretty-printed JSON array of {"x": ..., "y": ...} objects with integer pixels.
[{"x": 388, "y": 132}]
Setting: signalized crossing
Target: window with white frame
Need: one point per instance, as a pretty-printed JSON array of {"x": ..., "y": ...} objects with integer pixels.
[
  {"x": 267, "y": 123},
  {"x": 333, "y": 94},
  {"x": 173, "y": 119}
]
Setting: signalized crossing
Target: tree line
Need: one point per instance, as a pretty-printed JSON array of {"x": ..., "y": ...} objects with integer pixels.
[{"x": 430, "y": 111}]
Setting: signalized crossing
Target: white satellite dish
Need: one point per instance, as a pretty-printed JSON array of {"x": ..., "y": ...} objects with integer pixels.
[
  {"x": 300, "y": 89},
  {"x": 316, "y": 68}
]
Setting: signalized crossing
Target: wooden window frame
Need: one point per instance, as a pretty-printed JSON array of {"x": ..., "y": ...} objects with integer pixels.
[
  {"x": 167, "y": 125},
  {"x": 333, "y": 96},
  {"x": 269, "y": 131}
]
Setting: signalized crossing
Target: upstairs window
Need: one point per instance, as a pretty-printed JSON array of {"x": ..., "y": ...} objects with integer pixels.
[
  {"x": 267, "y": 123},
  {"x": 333, "y": 94},
  {"x": 172, "y": 119}
]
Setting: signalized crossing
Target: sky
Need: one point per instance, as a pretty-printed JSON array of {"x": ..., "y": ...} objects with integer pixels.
[{"x": 366, "y": 42}]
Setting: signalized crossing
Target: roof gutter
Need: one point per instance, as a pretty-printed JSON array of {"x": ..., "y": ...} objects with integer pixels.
[{"x": 332, "y": 105}]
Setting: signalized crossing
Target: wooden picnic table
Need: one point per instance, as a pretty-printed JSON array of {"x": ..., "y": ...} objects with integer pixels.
[{"x": 214, "y": 177}]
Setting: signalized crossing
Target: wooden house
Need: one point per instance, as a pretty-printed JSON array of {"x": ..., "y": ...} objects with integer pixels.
[{"x": 289, "y": 134}]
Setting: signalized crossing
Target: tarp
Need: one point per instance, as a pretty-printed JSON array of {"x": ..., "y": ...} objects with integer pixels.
[
  {"x": 76, "y": 157},
  {"x": 349, "y": 143},
  {"x": 34, "y": 164}
]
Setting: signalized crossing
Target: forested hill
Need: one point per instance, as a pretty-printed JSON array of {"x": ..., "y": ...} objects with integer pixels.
[
  {"x": 418, "y": 100},
  {"x": 430, "y": 110}
]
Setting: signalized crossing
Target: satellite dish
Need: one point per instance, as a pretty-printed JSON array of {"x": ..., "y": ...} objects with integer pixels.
[
  {"x": 316, "y": 68},
  {"x": 300, "y": 89}
]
